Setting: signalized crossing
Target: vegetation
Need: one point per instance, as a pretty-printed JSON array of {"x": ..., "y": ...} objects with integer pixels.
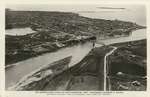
[
  {"x": 55, "y": 30},
  {"x": 127, "y": 66}
]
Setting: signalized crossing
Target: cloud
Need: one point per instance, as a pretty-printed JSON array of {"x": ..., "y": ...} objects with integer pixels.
[{"x": 115, "y": 8}]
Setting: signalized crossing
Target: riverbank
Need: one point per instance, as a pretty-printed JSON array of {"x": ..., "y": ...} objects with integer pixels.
[
  {"x": 78, "y": 52},
  {"x": 126, "y": 68},
  {"x": 39, "y": 78},
  {"x": 66, "y": 79},
  {"x": 30, "y": 48}
]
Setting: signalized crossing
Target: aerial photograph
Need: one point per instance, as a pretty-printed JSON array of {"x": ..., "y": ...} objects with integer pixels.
[{"x": 75, "y": 47}]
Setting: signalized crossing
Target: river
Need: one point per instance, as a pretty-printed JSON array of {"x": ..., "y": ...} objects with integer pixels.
[
  {"x": 22, "y": 68},
  {"x": 77, "y": 52},
  {"x": 136, "y": 35}
]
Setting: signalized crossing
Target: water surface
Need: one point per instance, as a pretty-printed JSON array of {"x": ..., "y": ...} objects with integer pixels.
[
  {"x": 136, "y": 35},
  {"x": 20, "y": 69},
  {"x": 19, "y": 31}
]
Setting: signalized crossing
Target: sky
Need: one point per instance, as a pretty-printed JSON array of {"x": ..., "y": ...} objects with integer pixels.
[{"x": 73, "y": 8}]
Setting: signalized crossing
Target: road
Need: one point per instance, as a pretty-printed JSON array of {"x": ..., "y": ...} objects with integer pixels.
[
  {"x": 106, "y": 66},
  {"x": 105, "y": 63}
]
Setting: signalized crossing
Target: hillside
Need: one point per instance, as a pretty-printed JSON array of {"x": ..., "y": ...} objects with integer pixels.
[{"x": 128, "y": 66}]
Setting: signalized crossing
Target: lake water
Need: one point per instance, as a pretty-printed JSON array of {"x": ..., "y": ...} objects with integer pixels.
[{"x": 19, "y": 31}]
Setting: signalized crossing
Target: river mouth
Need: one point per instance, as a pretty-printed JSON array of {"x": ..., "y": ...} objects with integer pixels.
[{"x": 78, "y": 52}]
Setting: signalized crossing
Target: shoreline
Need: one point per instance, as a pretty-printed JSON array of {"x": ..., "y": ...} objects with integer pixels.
[{"x": 76, "y": 42}]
